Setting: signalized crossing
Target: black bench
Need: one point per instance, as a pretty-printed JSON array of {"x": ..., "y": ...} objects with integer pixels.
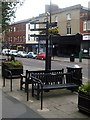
[
  {"x": 9, "y": 75},
  {"x": 50, "y": 81},
  {"x": 26, "y": 79}
]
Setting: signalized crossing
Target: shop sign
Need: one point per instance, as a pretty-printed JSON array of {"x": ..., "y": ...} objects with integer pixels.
[{"x": 86, "y": 37}]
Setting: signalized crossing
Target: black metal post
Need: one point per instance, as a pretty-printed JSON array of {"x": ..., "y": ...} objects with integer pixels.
[
  {"x": 50, "y": 41},
  {"x": 48, "y": 44},
  {"x": 47, "y": 62}
]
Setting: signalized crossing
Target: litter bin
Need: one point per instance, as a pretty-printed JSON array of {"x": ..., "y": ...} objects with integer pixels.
[
  {"x": 76, "y": 71},
  {"x": 72, "y": 58}
]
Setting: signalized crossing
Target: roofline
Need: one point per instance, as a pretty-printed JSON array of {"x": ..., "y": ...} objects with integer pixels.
[{"x": 78, "y": 6}]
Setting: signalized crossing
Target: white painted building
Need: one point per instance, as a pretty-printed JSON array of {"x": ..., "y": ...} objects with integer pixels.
[{"x": 31, "y": 42}]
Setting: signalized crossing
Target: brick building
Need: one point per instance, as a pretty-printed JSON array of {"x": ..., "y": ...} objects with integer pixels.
[{"x": 16, "y": 35}]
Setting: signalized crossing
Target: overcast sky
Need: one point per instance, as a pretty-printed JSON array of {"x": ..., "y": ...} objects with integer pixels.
[{"x": 32, "y": 8}]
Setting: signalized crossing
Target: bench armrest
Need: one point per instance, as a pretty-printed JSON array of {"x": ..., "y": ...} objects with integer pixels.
[
  {"x": 36, "y": 80},
  {"x": 8, "y": 72},
  {"x": 23, "y": 76}
]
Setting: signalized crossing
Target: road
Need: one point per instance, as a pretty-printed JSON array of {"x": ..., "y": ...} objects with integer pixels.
[
  {"x": 33, "y": 64},
  {"x": 40, "y": 64}
]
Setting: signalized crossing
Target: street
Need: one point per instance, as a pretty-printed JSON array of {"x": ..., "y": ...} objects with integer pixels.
[{"x": 40, "y": 64}]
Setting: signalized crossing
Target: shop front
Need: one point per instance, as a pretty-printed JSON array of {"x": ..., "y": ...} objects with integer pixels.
[{"x": 67, "y": 45}]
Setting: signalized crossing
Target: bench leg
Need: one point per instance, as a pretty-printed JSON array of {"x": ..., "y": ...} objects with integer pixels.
[
  {"x": 11, "y": 84},
  {"x": 21, "y": 83},
  {"x": 41, "y": 99},
  {"x": 27, "y": 92},
  {"x": 38, "y": 91},
  {"x": 32, "y": 90},
  {"x": 3, "y": 81},
  {"x": 26, "y": 87},
  {"x": 38, "y": 94}
]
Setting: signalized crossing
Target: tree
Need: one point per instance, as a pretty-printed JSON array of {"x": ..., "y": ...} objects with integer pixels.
[{"x": 8, "y": 12}]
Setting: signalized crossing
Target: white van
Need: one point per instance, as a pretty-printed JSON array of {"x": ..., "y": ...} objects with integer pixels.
[
  {"x": 14, "y": 52},
  {"x": 5, "y": 51}
]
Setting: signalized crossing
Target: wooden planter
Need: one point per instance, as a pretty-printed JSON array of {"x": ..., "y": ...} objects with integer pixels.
[
  {"x": 84, "y": 102},
  {"x": 16, "y": 70}
]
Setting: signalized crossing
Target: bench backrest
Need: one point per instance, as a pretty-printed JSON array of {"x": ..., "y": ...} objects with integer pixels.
[
  {"x": 57, "y": 78},
  {"x": 42, "y": 77}
]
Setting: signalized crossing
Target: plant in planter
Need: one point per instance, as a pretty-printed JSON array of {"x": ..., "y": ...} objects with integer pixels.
[
  {"x": 15, "y": 66},
  {"x": 84, "y": 98}
]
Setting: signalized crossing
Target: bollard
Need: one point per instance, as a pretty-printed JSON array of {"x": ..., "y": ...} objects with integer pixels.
[{"x": 80, "y": 56}]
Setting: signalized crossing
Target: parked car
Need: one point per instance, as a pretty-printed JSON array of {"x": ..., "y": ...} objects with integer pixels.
[
  {"x": 31, "y": 55},
  {"x": 5, "y": 51},
  {"x": 41, "y": 56},
  {"x": 22, "y": 54},
  {"x": 13, "y": 52}
]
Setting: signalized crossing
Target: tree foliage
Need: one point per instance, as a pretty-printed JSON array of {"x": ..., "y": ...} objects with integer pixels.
[{"x": 8, "y": 13}]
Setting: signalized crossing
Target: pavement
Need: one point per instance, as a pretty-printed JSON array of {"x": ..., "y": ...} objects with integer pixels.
[{"x": 57, "y": 103}]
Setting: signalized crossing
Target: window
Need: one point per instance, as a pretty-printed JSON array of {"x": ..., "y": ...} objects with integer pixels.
[
  {"x": 45, "y": 20},
  {"x": 18, "y": 38},
  {"x": 14, "y": 39},
  {"x": 84, "y": 26},
  {"x": 68, "y": 30},
  {"x": 31, "y": 26},
  {"x": 68, "y": 26},
  {"x": 68, "y": 16},
  {"x": 56, "y": 18},
  {"x": 28, "y": 37},
  {"x": 88, "y": 25},
  {"x": 23, "y": 38},
  {"x": 28, "y": 26},
  {"x": 14, "y": 29},
  {"x": 11, "y": 29},
  {"x": 11, "y": 39}
]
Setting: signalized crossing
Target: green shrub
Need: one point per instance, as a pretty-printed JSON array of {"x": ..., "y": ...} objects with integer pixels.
[
  {"x": 14, "y": 63},
  {"x": 85, "y": 88}
]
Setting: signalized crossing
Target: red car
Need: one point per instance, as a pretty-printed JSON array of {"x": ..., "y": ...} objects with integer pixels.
[{"x": 41, "y": 56}]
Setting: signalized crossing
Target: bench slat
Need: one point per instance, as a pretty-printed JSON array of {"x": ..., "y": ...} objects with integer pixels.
[{"x": 57, "y": 86}]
